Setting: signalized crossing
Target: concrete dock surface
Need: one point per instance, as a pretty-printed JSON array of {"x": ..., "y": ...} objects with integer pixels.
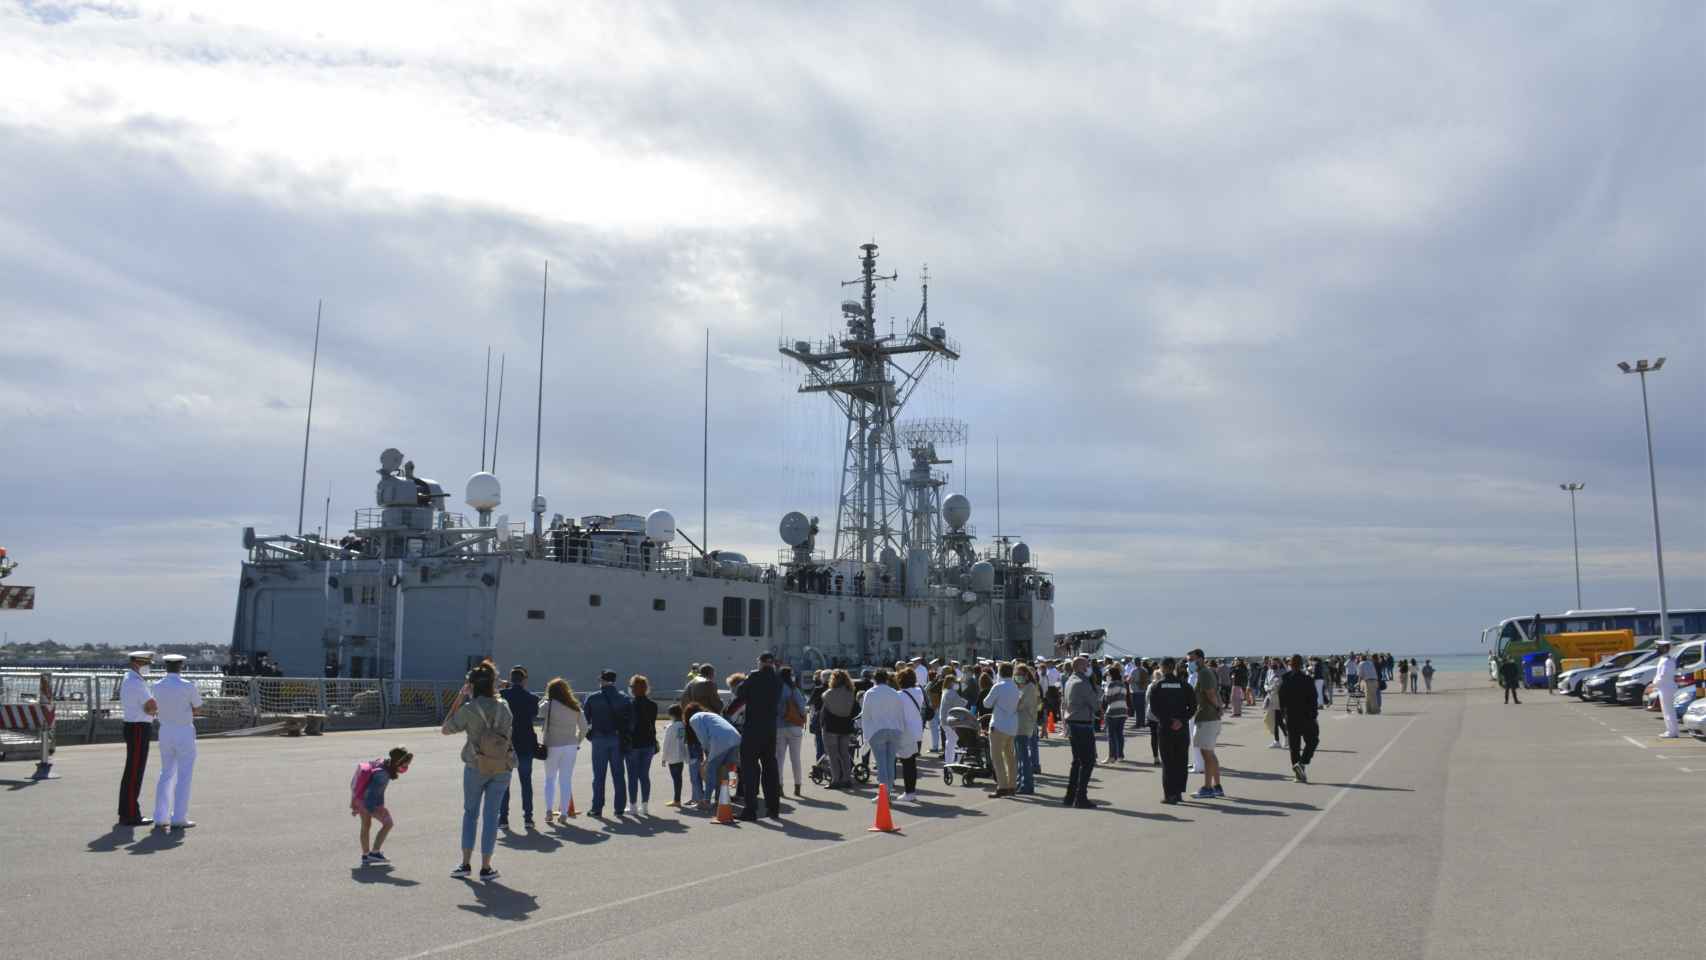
[{"x": 1449, "y": 826}]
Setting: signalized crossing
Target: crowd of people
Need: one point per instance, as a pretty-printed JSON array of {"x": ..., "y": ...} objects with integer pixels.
[{"x": 983, "y": 718}]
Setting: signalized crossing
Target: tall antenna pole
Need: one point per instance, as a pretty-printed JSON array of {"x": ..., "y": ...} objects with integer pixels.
[
  {"x": 486, "y": 408},
  {"x": 326, "y": 524},
  {"x": 539, "y": 410},
  {"x": 498, "y": 421},
  {"x": 998, "y": 492},
  {"x": 705, "y": 455},
  {"x": 313, "y": 372}
]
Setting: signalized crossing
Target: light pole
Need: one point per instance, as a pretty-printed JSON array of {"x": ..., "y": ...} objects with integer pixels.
[
  {"x": 1643, "y": 368},
  {"x": 1571, "y": 489}
]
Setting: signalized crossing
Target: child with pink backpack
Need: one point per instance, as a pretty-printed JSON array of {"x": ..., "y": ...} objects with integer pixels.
[{"x": 367, "y": 799}]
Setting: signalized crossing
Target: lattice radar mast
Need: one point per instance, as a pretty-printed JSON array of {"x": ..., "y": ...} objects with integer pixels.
[{"x": 870, "y": 378}]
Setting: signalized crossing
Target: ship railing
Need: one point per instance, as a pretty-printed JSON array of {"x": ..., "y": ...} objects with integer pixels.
[
  {"x": 373, "y": 518},
  {"x": 622, "y": 556}
]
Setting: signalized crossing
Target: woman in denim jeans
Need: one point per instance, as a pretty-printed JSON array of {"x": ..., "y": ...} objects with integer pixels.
[
  {"x": 642, "y": 744},
  {"x": 1025, "y": 744},
  {"x": 476, "y": 711}
]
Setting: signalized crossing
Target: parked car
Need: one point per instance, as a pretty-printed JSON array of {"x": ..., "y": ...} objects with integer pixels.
[
  {"x": 1571, "y": 681},
  {"x": 1694, "y": 718},
  {"x": 1602, "y": 683}
]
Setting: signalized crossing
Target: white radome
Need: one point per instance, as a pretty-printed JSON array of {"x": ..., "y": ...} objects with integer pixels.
[
  {"x": 956, "y": 510},
  {"x": 484, "y": 492},
  {"x": 660, "y": 526}
]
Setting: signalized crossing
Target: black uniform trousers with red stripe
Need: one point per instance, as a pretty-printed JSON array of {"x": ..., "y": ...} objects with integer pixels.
[{"x": 135, "y": 762}]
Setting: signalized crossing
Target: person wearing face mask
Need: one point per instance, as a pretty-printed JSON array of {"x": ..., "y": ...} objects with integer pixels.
[
  {"x": 1081, "y": 697},
  {"x": 1025, "y": 744}
]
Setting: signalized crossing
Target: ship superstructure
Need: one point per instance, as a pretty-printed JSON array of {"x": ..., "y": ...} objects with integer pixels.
[{"x": 417, "y": 590}]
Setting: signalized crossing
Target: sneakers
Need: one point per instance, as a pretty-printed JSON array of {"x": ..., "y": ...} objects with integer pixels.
[
  {"x": 1170, "y": 801},
  {"x": 1206, "y": 793},
  {"x": 1274, "y": 746},
  {"x": 909, "y": 798},
  {"x": 461, "y": 872},
  {"x": 643, "y": 811},
  {"x": 375, "y": 857},
  {"x": 488, "y": 874},
  {"x": 1220, "y": 793}
]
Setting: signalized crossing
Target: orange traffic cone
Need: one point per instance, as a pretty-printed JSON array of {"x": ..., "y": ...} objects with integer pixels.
[
  {"x": 571, "y": 812},
  {"x": 884, "y": 823},
  {"x": 1050, "y": 728},
  {"x": 725, "y": 812}
]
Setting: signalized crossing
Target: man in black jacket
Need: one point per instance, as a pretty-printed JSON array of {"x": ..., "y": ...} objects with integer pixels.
[
  {"x": 1297, "y": 703},
  {"x": 1173, "y": 703},
  {"x": 524, "y": 707},
  {"x": 762, "y": 692}
]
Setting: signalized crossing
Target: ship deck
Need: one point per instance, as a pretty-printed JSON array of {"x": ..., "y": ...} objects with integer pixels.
[{"x": 1450, "y": 826}]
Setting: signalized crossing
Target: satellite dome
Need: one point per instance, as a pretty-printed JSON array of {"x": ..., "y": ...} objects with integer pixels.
[
  {"x": 484, "y": 491},
  {"x": 795, "y": 529},
  {"x": 983, "y": 576},
  {"x": 956, "y": 510},
  {"x": 660, "y": 526},
  {"x": 1021, "y": 554}
]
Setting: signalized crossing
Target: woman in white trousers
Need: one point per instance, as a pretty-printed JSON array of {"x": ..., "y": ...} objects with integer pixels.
[{"x": 565, "y": 726}]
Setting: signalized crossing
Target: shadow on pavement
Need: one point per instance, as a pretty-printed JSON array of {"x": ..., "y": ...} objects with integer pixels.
[
  {"x": 800, "y": 831},
  {"x": 1235, "y": 811},
  {"x": 1287, "y": 804},
  {"x": 1253, "y": 775},
  {"x": 580, "y": 835},
  {"x": 1364, "y": 786},
  {"x": 11, "y": 785},
  {"x": 380, "y": 876},
  {"x": 629, "y": 827},
  {"x": 935, "y": 811},
  {"x": 156, "y": 841},
  {"x": 531, "y": 840},
  {"x": 819, "y": 804},
  {"x": 500, "y": 902},
  {"x": 1146, "y": 815},
  {"x": 113, "y": 839}
]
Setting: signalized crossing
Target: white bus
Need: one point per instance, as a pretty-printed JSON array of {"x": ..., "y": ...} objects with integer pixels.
[{"x": 1515, "y": 636}]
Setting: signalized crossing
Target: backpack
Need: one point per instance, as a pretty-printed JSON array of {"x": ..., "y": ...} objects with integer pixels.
[
  {"x": 358, "y": 784},
  {"x": 491, "y": 748},
  {"x": 791, "y": 714}
]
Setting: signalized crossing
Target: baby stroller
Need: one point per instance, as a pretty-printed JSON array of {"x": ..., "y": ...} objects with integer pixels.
[
  {"x": 820, "y": 772},
  {"x": 973, "y": 749}
]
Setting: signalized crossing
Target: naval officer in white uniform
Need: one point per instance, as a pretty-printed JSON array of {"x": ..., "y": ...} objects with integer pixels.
[
  {"x": 177, "y": 701},
  {"x": 138, "y": 707},
  {"x": 1664, "y": 681}
]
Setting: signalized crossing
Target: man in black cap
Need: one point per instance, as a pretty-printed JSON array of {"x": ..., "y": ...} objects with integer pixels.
[
  {"x": 524, "y": 707},
  {"x": 762, "y": 692},
  {"x": 609, "y": 716}
]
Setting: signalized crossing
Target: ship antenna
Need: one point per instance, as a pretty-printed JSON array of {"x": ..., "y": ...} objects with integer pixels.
[
  {"x": 539, "y": 411},
  {"x": 498, "y": 420},
  {"x": 998, "y": 493},
  {"x": 705, "y": 455},
  {"x": 486, "y": 408},
  {"x": 308, "y": 430}
]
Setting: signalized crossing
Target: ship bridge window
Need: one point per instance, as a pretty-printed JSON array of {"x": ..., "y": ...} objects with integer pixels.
[
  {"x": 755, "y": 618},
  {"x": 594, "y": 600},
  {"x": 535, "y": 614},
  {"x": 896, "y": 636},
  {"x": 369, "y": 595},
  {"x": 349, "y": 595},
  {"x": 734, "y": 616},
  {"x": 657, "y": 603},
  {"x": 710, "y": 616}
]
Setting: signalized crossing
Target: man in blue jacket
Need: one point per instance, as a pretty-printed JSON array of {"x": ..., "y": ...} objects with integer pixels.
[
  {"x": 609, "y": 716},
  {"x": 524, "y": 707}
]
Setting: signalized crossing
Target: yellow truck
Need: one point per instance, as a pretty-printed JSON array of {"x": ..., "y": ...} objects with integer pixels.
[{"x": 1589, "y": 645}]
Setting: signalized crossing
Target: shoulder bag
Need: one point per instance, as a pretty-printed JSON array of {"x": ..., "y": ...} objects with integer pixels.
[{"x": 539, "y": 749}]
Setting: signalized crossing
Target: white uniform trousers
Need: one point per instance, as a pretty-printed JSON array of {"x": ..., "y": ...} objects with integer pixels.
[
  {"x": 1197, "y": 763},
  {"x": 176, "y": 750},
  {"x": 1667, "y": 707}
]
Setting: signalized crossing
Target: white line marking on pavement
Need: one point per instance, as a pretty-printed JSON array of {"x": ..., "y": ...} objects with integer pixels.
[
  {"x": 600, "y": 908},
  {"x": 1637, "y": 743},
  {"x": 1685, "y": 769},
  {"x": 1208, "y": 926}
]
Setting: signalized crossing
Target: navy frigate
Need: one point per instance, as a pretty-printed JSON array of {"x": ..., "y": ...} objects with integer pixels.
[{"x": 417, "y": 590}]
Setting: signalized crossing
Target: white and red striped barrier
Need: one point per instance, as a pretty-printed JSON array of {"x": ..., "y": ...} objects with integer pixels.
[{"x": 27, "y": 717}]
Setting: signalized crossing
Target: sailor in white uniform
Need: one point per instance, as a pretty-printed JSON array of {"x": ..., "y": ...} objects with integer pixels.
[
  {"x": 1664, "y": 681},
  {"x": 178, "y": 702},
  {"x": 139, "y": 710}
]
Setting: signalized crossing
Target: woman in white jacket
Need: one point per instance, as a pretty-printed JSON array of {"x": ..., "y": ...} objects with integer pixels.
[
  {"x": 565, "y": 727},
  {"x": 883, "y": 719},
  {"x": 950, "y": 699},
  {"x": 1270, "y": 703},
  {"x": 912, "y": 737}
]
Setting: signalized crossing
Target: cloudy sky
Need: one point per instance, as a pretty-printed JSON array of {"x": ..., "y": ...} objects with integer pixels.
[{"x": 1290, "y": 317}]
